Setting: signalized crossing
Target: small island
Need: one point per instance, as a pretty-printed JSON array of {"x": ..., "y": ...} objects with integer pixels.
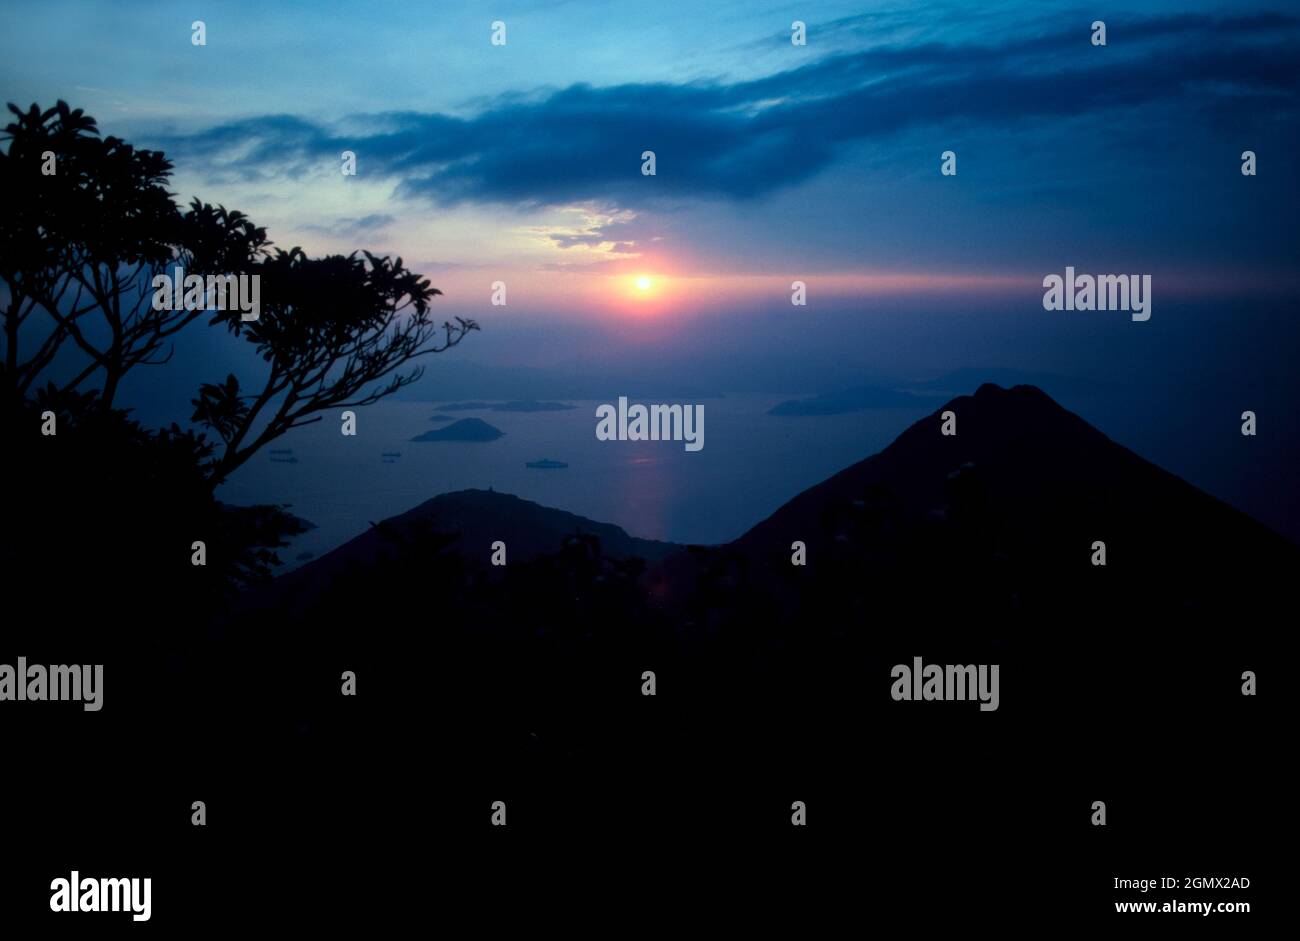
[{"x": 467, "y": 429}]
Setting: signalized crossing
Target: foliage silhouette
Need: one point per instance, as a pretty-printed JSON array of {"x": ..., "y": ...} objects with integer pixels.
[
  {"x": 102, "y": 517},
  {"x": 79, "y": 250}
]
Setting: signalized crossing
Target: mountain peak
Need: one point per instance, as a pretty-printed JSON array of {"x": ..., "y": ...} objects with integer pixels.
[
  {"x": 994, "y": 391},
  {"x": 1022, "y": 477},
  {"x": 992, "y": 395}
]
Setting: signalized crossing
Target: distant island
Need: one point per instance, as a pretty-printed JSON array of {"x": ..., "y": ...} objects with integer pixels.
[
  {"x": 852, "y": 400},
  {"x": 467, "y": 429},
  {"x": 528, "y": 405},
  {"x": 923, "y": 394}
]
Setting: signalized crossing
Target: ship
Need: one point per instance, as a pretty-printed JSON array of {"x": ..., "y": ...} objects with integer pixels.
[{"x": 545, "y": 464}]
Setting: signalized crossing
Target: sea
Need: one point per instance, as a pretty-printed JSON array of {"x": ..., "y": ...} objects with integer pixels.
[{"x": 751, "y": 463}]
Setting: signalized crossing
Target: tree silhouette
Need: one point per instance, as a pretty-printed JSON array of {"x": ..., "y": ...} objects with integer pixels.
[
  {"x": 329, "y": 329},
  {"x": 81, "y": 244},
  {"x": 80, "y": 248}
]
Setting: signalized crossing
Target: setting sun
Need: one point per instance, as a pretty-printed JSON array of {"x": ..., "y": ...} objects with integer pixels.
[{"x": 643, "y": 291}]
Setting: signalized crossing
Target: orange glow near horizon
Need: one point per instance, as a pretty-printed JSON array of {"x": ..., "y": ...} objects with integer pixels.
[
  {"x": 644, "y": 290},
  {"x": 678, "y": 293},
  {"x": 641, "y": 292}
]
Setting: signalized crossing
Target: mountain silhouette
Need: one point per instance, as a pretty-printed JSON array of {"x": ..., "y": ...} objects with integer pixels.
[
  {"x": 467, "y": 523},
  {"x": 1010, "y": 507},
  {"x": 1017, "y": 498},
  {"x": 1043, "y": 472},
  {"x": 971, "y": 548}
]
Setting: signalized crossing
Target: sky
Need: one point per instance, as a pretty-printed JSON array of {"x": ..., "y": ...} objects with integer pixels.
[
  {"x": 522, "y": 163},
  {"x": 774, "y": 162}
]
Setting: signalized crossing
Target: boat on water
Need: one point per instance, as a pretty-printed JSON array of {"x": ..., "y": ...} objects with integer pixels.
[
  {"x": 545, "y": 464},
  {"x": 284, "y": 460},
  {"x": 391, "y": 454}
]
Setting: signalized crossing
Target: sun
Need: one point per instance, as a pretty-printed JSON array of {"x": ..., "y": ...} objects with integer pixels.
[{"x": 643, "y": 290}]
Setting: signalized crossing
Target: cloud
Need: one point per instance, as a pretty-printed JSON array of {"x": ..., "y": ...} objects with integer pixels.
[
  {"x": 371, "y": 225},
  {"x": 626, "y": 235},
  {"x": 743, "y": 140}
]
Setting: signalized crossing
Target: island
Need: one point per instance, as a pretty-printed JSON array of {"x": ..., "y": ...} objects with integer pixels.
[
  {"x": 467, "y": 429},
  {"x": 852, "y": 400},
  {"x": 529, "y": 405}
]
